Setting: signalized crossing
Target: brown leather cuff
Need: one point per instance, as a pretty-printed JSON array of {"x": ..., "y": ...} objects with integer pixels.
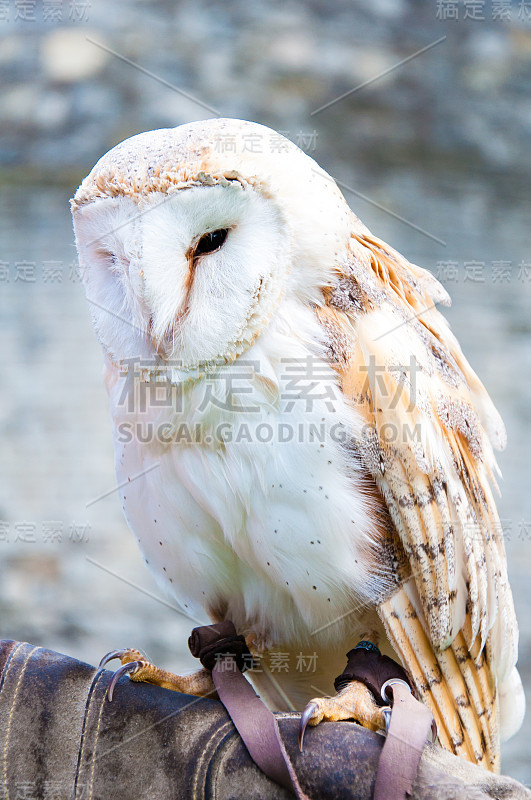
[
  {"x": 211, "y": 641},
  {"x": 367, "y": 665}
]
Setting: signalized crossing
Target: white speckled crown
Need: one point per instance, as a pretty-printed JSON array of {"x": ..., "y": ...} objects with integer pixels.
[
  {"x": 218, "y": 151},
  {"x": 199, "y": 152}
]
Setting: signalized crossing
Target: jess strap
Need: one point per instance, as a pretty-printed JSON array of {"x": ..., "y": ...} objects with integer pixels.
[
  {"x": 407, "y": 733},
  {"x": 408, "y": 721},
  {"x": 220, "y": 649}
]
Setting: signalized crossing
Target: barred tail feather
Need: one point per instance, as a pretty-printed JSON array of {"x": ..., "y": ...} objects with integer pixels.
[{"x": 456, "y": 684}]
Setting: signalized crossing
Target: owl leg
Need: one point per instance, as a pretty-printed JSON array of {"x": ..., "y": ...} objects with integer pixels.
[
  {"x": 138, "y": 668},
  {"x": 355, "y": 701}
]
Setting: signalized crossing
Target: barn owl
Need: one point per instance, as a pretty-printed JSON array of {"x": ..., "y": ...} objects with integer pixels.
[{"x": 300, "y": 443}]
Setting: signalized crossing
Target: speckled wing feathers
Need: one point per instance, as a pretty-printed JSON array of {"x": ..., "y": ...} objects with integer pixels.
[
  {"x": 428, "y": 444},
  {"x": 457, "y": 685}
]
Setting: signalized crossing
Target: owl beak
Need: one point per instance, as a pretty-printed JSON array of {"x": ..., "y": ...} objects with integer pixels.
[{"x": 163, "y": 346}]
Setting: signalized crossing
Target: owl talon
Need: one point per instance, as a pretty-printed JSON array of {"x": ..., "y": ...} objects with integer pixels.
[
  {"x": 132, "y": 661},
  {"x": 125, "y": 669},
  {"x": 137, "y": 666},
  {"x": 123, "y": 655},
  {"x": 306, "y": 715},
  {"x": 354, "y": 702}
]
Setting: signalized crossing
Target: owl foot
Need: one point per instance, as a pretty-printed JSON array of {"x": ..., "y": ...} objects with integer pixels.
[
  {"x": 139, "y": 668},
  {"x": 355, "y": 702}
]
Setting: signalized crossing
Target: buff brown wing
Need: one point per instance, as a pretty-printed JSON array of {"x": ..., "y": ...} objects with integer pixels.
[{"x": 428, "y": 440}]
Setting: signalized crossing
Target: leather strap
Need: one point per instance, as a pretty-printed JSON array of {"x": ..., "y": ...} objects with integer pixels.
[
  {"x": 254, "y": 722},
  {"x": 209, "y": 642},
  {"x": 256, "y": 725},
  {"x": 407, "y": 734},
  {"x": 367, "y": 665}
]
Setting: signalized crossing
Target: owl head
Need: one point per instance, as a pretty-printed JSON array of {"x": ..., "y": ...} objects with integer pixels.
[{"x": 191, "y": 239}]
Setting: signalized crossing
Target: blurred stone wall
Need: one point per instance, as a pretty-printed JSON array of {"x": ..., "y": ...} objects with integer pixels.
[{"x": 66, "y": 97}]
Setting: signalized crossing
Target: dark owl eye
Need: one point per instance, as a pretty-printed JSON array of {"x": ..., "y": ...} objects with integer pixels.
[{"x": 210, "y": 242}]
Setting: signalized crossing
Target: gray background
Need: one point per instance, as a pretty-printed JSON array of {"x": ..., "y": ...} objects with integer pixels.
[{"x": 438, "y": 141}]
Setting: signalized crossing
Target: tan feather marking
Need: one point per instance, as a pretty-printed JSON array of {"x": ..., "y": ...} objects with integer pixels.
[
  {"x": 438, "y": 607},
  {"x": 339, "y": 345},
  {"x": 460, "y": 695},
  {"x": 427, "y": 551},
  {"x": 471, "y": 723},
  {"x": 386, "y": 266},
  {"x": 460, "y": 416},
  {"x": 481, "y": 692},
  {"x": 409, "y": 640}
]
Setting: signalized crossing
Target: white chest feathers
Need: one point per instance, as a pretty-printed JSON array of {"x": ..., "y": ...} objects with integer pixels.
[{"x": 243, "y": 493}]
